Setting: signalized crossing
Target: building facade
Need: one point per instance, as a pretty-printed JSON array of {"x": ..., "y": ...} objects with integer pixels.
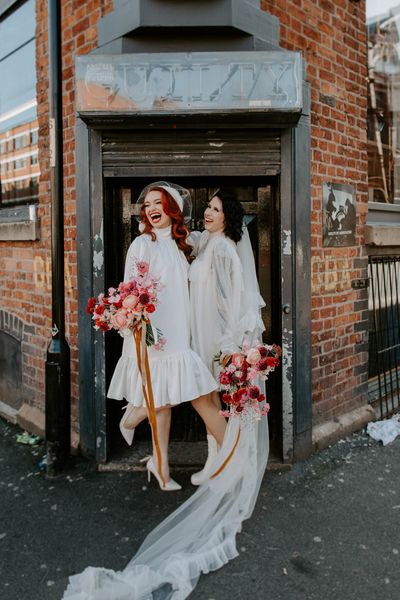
[{"x": 271, "y": 98}]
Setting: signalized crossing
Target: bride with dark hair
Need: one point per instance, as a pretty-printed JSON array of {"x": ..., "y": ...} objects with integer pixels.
[
  {"x": 224, "y": 309},
  {"x": 200, "y": 536}
]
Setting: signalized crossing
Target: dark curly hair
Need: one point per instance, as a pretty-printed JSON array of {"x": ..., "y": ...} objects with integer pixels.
[{"x": 233, "y": 213}]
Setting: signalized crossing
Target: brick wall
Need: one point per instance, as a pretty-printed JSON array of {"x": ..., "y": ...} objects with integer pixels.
[
  {"x": 25, "y": 267},
  {"x": 332, "y": 38}
]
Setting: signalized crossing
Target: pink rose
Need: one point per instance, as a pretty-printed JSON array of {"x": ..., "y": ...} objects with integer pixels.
[
  {"x": 253, "y": 356},
  {"x": 119, "y": 319},
  {"x": 130, "y": 301}
]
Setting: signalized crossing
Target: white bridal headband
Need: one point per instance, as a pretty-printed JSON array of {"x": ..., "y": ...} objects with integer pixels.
[{"x": 180, "y": 194}]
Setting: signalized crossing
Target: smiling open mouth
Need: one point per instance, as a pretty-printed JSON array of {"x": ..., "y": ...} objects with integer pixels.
[{"x": 155, "y": 217}]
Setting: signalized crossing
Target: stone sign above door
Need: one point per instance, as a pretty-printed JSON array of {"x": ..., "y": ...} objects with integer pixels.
[{"x": 163, "y": 83}]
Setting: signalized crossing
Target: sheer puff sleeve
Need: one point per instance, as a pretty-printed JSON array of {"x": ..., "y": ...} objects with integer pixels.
[
  {"x": 227, "y": 271},
  {"x": 194, "y": 240},
  {"x": 139, "y": 250}
]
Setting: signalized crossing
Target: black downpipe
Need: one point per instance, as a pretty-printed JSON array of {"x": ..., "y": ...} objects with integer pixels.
[{"x": 58, "y": 370}]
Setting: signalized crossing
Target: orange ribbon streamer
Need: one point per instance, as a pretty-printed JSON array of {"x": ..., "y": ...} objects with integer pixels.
[
  {"x": 143, "y": 357},
  {"x": 228, "y": 458}
]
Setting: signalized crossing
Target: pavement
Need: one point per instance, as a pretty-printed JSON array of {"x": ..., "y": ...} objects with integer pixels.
[{"x": 328, "y": 529}]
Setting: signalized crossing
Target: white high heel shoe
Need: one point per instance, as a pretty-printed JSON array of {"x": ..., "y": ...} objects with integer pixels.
[
  {"x": 206, "y": 472},
  {"x": 127, "y": 433},
  {"x": 169, "y": 486}
]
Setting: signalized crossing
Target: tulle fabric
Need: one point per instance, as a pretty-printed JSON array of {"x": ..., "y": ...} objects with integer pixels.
[
  {"x": 199, "y": 537},
  {"x": 225, "y": 300}
]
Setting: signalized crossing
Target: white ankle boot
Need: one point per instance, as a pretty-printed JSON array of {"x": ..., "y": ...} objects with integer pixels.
[{"x": 206, "y": 472}]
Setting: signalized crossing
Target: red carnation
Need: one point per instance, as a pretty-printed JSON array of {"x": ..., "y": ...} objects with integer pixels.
[
  {"x": 254, "y": 392},
  {"x": 243, "y": 376},
  {"x": 224, "y": 379},
  {"x": 272, "y": 361},
  {"x": 227, "y": 398},
  {"x": 261, "y": 398},
  {"x": 144, "y": 298},
  {"x": 263, "y": 351},
  {"x": 102, "y": 325},
  {"x": 263, "y": 365},
  {"x": 99, "y": 310},
  {"x": 91, "y": 303},
  {"x": 150, "y": 308}
]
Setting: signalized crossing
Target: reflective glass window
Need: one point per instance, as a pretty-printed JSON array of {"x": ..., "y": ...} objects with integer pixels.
[
  {"x": 383, "y": 24},
  {"x": 18, "y": 117}
]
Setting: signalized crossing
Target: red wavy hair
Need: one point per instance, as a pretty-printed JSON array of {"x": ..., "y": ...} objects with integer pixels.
[{"x": 179, "y": 231}]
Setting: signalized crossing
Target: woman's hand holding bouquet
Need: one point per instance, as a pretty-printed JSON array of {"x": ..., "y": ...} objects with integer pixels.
[
  {"x": 238, "y": 375},
  {"x": 127, "y": 307}
]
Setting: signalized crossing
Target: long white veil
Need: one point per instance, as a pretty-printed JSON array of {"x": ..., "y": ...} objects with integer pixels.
[{"x": 200, "y": 536}]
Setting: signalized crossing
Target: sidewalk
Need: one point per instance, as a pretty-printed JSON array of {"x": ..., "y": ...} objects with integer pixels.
[{"x": 329, "y": 529}]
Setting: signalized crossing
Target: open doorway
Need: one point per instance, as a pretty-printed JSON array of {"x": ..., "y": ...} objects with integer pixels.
[{"x": 260, "y": 200}]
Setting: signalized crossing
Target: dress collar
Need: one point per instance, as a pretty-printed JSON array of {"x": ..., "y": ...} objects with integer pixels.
[{"x": 164, "y": 233}]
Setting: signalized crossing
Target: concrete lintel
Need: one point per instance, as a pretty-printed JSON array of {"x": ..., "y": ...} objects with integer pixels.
[
  {"x": 19, "y": 231},
  {"x": 381, "y": 235},
  {"x": 328, "y": 433},
  {"x": 130, "y": 16}
]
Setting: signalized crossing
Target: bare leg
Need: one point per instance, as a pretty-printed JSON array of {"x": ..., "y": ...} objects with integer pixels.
[
  {"x": 163, "y": 417},
  {"x": 208, "y": 411},
  {"x": 215, "y": 400}
]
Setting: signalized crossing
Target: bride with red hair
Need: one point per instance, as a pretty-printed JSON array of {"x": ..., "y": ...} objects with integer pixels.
[
  {"x": 200, "y": 535},
  {"x": 177, "y": 372}
]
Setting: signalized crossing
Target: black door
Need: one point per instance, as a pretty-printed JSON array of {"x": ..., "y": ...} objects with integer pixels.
[{"x": 259, "y": 197}]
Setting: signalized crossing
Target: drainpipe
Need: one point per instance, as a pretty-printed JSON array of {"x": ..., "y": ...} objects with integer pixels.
[{"x": 58, "y": 385}]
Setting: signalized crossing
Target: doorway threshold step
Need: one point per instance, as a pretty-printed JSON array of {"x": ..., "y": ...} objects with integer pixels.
[{"x": 184, "y": 456}]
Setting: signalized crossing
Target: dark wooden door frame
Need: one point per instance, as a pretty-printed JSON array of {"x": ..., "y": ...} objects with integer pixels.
[{"x": 294, "y": 200}]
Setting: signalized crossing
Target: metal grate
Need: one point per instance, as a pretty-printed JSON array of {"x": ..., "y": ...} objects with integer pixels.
[{"x": 384, "y": 333}]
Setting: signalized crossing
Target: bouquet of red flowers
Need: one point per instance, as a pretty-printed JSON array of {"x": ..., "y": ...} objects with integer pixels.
[
  {"x": 128, "y": 306},
  {"x": 238, "y": 375}
]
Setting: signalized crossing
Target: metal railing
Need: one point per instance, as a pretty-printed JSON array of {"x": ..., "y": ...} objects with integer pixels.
[{"x": 384, "y": 333}]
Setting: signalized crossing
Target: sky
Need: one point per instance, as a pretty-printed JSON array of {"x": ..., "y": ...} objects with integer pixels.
[{"x": 379, "y": 7}]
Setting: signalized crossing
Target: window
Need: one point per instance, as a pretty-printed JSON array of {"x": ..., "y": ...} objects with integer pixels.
[
  {"x": 383, "y": 24},
  {"x": 18, "y": 118},
  {"x": 34, "y": 137}
]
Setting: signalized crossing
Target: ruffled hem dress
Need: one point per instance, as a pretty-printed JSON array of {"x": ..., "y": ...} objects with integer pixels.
[{"x": 177, "y": 373}]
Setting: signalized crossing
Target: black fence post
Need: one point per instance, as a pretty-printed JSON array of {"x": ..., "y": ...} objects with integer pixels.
[{"x": 58, "y": 385}]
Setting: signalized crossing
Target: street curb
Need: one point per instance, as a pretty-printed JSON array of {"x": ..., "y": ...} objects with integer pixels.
[{"x": 340, "y": 427}]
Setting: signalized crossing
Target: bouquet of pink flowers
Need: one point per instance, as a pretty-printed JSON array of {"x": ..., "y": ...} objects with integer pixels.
[
  {"x": 127, "y": 307},
  {"x": 237, "y": 377}
]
